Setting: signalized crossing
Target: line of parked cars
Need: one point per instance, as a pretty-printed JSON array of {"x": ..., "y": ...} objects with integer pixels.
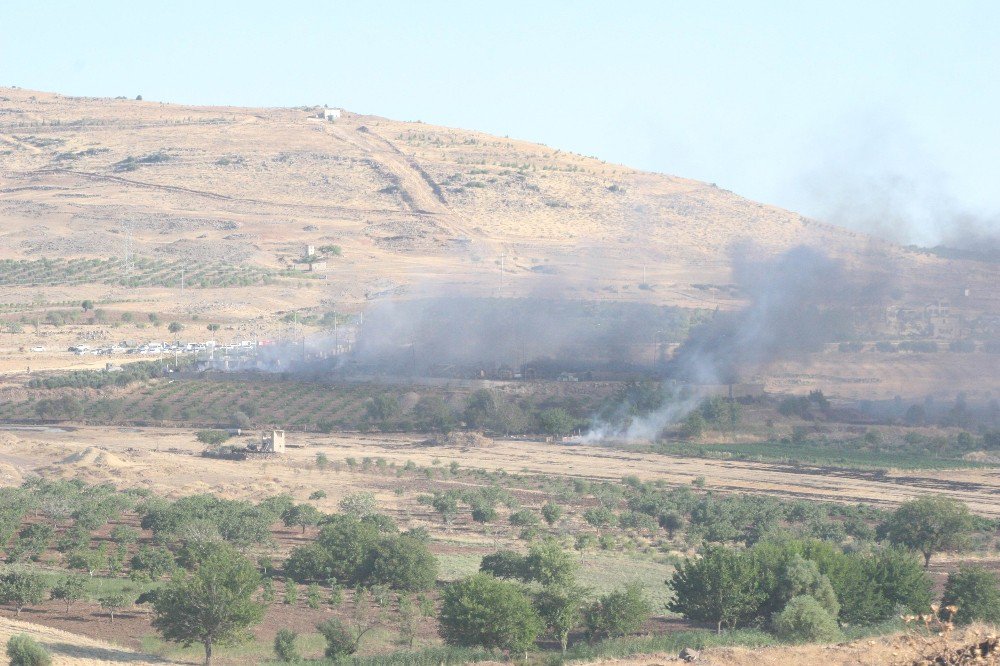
[{"x": 156, "y": 348}]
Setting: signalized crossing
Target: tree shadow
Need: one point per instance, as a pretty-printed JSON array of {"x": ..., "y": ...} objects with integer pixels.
[{"x": 101, "y": 653}]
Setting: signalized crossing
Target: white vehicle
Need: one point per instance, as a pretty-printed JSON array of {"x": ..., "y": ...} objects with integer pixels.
[{"x": 38, "y": 349}]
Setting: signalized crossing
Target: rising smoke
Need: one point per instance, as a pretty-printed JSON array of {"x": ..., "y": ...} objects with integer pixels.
[
  {"x": 797, "y": 302},
  {"x": 446, "y": 334},
  {"x": 874, "y": 177}
]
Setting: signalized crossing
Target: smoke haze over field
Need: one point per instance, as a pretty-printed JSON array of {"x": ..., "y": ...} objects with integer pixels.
[
  {"x": 798, "y": 301},
  {"x": 451, "y": 334}
]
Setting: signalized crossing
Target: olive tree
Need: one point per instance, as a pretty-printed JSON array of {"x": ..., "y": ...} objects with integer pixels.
[
  {"x": 483, "y": 611},
  {"x": 213, "y": 605},
  {"x": 929, "y": 525}
]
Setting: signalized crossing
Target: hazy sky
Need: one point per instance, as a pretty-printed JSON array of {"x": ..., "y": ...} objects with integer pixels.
[{"x": 879, "y": 115}]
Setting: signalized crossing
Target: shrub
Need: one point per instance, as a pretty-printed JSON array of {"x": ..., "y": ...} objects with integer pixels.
[
  {"x": 483, "y": 611},
  {"x": 339, "y": 640},
  {"x": 976, "y": 593},
  {"x": 619, "y": 612},
  {"x": 284, "y": 645},
  {"x": 805, "y": 620},
  {"x": 23, "y": 650},
  {"x": 503, "y": 564}
]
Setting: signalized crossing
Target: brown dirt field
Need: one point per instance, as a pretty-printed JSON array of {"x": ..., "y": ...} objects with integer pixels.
[
  {"x": 69, "y": 649},
  {"x": 167, "y": 461}
]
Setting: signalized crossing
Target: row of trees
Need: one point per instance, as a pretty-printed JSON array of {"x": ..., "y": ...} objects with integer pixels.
[
  {"x": 490, "y": 411},
  {"x": 491, "y": 610},
  {"x": 803, "y": 590}
]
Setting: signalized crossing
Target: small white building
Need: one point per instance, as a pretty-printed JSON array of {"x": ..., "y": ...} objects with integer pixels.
[
  {"x": 273, "y": 443},
  {"x": 330, "y": 114}
]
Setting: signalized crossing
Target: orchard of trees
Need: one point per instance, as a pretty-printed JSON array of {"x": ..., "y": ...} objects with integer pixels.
[{"x": 801, "y": 571}]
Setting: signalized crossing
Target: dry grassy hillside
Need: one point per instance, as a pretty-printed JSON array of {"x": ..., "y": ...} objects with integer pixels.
[
  {"x": 407, "y": 202},
  {"x": 231, "y": 197}
]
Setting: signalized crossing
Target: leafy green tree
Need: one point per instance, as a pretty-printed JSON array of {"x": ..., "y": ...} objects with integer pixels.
[
  {"x": 446, "y": 504},
  {"x": 212, "y": 437},
  {"x": 870, "y": 587},
  {"x": 153, "y": 562},
  {"x": 313, "y": 598},
  {"x": 69, "y": 590},
  {"x": 383, "y": 409},
  {"x": 561, "y": 609},
  {"x": 803, "y": 578},
  {"x": 302, "y": 515},
  {"x": 23, "y": 650},
  {"x": 89, "y": 560},
  {"x": 547, "y": 563},
  {"x": 432, "y": 414},
  {"x": 339, "y": 640},
  {"x": 212, "y": 606},
  {"x": 114, "y": 602},
  {"x": 291, "y": 593},
  {"x": 124, "y": 535},
  {"x": 805, "y": 620},
  {"x": 551, "y": 512},
  {"x": 975, "y": 591},
  {"x": 719, "y": 587},
  {"x": 599, "y": 517},
  {"x": 524, "y": 518},
  {"x": 618, "y": 612},
  {"x": 483, "y": 611},
  {"x": 21, "y": 587},
  {"x": 284, "y": 646},
  {"x": 671, "y": 521},
  {"x": 693, "y": 425},
  {"x": 503, "y": 564},
  {"x": 175, "y": 327},
  {"x": 556, "y": 422},
  {"x": 402, "y": 563},
  {"x": 87, "y": 305},
  {"x": 929, "y": 525},
  {"x": 358, "y": 505}
]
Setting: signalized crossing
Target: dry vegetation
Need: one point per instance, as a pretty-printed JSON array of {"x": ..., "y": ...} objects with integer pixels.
[{"x": 234, "y": 195}]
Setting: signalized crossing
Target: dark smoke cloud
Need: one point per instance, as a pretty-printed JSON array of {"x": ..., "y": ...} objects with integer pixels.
[
  {"x": 798, "y": 301},
  {"x": 454, "y": 335}
]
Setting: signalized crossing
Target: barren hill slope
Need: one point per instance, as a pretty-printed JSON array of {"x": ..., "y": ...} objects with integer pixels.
[
  {"x": 227, "y": 196},
  {"x": 405, "y": 200}
]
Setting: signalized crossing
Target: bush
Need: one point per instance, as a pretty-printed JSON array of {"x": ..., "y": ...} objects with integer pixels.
[
  {"x": 619, "y": 612},
  {"x": 805, "y": 620},
  {"x": 23, "y": 650},
  {"x": 339, "y": 641},
  {"x": 976, "y": 593},
  {"x": 483, "y": 611},
  {"x": 284, "y": 645},
  {"x": 503, "y": 564}
]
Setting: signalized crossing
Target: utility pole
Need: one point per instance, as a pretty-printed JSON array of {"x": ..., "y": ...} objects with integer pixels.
[{"x": 182, "y": 281}]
